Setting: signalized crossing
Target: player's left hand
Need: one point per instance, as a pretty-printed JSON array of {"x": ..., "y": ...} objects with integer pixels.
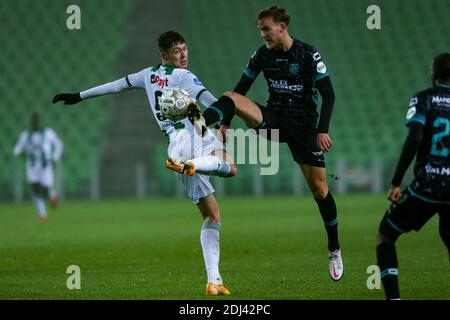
[
  {"x": 324, "y": 142},
  {"x": 395, "y": 194}
]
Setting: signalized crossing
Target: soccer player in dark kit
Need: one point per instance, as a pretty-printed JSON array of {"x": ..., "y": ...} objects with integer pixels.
[
  {"x": 428, "y": 120},
  {"x": 295, "y": 74}
]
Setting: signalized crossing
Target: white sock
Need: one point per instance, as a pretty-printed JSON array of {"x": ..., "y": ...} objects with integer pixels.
[
  {"x": 40, "y": 205},
  {"x": 210, "y": 240},
  {"x": 211, "y": 165}
]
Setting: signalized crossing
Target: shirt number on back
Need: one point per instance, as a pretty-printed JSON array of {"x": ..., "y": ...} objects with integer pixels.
[{"x": 438, "y": 138}]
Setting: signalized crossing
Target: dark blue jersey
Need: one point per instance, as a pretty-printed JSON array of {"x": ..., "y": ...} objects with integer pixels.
[
  {"x": 431, "y": 108},
  {"x": 290, "y": 77}
]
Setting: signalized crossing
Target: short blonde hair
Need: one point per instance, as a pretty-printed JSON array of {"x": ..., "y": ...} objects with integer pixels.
[{"x": 276, "y": 13}]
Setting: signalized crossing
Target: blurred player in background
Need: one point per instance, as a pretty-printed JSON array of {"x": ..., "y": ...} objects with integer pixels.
[
  {"x": 42, "y": 149},
  {"x": 428, "y": 121},
  {"x": 209, "y": 158},
  {"x": 295, "y": 73}
]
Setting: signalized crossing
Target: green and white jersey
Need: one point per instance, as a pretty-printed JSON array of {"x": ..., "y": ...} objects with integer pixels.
[
  {"x": 158, "y": 79},
  {"x": 41, "y": 147}
]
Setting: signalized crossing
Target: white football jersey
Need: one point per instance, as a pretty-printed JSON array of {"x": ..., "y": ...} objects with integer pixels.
[
  {"x": 158, "y": 79},
  {"x": 42, "y": 148}
]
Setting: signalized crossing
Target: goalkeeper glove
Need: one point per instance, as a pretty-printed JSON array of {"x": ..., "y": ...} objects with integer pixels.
[{"x": 68, "y": 98}]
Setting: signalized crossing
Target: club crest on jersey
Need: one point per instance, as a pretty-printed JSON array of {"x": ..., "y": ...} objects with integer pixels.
[
  {"x": 159, "y": 81},
  {"x": 321, "y": 67},
  {"x": 294, "y": 69}
]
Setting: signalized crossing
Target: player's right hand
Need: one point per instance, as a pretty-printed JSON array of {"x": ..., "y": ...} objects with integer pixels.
[
  {"x": 395, "y": 194},
  {"x": 68, "y": 98},
  {"x": 324, "y": 142}
]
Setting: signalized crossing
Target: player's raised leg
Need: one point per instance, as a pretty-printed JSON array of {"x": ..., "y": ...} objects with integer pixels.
[
  {"x": 210, "y": 241},
  {"x": 207, "y": 165},
  {"x": 317, "y": 182},
  {"x": 218, "y": 163},
  {"x": 231, "y": 103},
  {"x": 53, "y": 198}
]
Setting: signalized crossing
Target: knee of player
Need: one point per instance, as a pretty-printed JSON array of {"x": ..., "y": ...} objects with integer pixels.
[
  {"x": 320, "y": 191},
  {"x": 230, "y": 94},
  {"x": 233, "y": 96},
  {"x": 213, "y": 216},
  {"x": 381, "y": 238}
]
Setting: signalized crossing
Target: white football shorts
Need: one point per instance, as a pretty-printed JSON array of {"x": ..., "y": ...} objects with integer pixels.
[
  {"x": 43, "y": 176},
  {"x": 186, "y": 144}
]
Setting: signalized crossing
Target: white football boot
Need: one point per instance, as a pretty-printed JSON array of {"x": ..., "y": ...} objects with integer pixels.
[{"x": 336, "y": 265}]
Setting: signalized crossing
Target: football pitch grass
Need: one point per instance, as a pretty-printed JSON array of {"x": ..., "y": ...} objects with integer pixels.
[{"x": 271, "y": 248}]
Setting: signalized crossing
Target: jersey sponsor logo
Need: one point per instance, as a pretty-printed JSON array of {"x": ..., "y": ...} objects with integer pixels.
[
  {"x": 413, "y": 101},
  {"x": 443, "y": 171},
  {"x": 294, "y": 69},
  {"x": 321, "y": 67},
  {"x": 440, "y": 100},
  {"x": 198, "y": 82},
  {"x": 162, "y": 82},
  {"x": 316, "y": 56},
  {"x": 282, "y": 85},
  {"x": 411, "y": 112}
]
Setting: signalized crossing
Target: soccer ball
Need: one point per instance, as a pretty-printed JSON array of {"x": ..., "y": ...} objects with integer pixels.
[{"x": 173, "y": 104}]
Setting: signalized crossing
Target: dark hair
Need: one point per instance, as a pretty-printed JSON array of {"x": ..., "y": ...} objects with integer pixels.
[
  {"x": 276, "y": 13},
  {"x": 441, "y": 67},
  {"x": 168, "y": 39}
]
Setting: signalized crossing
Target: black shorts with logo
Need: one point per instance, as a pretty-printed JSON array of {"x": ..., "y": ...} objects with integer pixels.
[
  {"x": 411, "y": 213},
  {"x": 299, "y": 135}
]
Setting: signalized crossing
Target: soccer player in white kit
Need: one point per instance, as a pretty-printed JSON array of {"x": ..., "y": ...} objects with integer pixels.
[
  {"x": 208, "y": 157},
  {"x": 42, "y": 149}
]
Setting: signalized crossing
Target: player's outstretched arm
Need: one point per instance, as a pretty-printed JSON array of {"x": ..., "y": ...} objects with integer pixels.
[{"x": 107, "y": 88}]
